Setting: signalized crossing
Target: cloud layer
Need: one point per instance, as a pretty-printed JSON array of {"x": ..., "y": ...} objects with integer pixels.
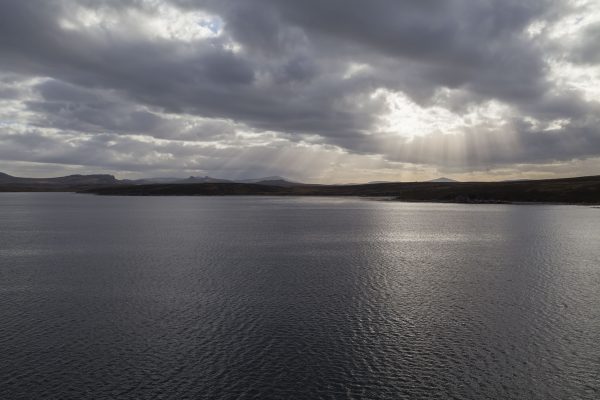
[{"x": 322, "y": 91}]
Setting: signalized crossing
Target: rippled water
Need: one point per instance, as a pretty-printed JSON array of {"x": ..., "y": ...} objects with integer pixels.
[{"x": 268, "y": 298}]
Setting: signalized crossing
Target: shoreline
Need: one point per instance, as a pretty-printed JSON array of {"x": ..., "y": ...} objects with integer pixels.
[
  {"x": 341, "y": 196},
  {"x": 571, "y": 191}
]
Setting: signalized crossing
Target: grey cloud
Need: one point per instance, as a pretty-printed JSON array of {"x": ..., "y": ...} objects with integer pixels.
[
  {"x": 478, "y": 44},
  {"x": 290, "y": 76},
  {"x": 9, "y": 93},
  {"x": 72, "y": 108},
  {"x": 202, "y": 80},
  {"x": 130, "y": 154},
  {"x": 587, "y": 50}
]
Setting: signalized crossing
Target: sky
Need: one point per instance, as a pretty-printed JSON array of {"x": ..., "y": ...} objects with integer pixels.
[{"x": 324, "y": 91}]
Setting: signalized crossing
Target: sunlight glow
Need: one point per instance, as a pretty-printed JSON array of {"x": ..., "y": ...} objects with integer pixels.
[
  {"x": 579, "y": 78},
  {"x": 354, "y": 69},
  {"x": 409, "y": 119},
  {"x": 161, "y": 21}
]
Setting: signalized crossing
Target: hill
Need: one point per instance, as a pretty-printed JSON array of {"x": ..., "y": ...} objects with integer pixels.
[
  {"x": 582, "y": 190},
  {"x": 10, "y": 183},
  {"x": 271, "y": 181},
  {"x": 443, "y": 180}
]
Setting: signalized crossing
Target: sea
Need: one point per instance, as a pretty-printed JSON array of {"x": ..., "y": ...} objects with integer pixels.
[{"x": 296, "y": 298}]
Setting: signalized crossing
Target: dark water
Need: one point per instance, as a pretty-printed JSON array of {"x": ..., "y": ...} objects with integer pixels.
[{"x": 296, "y": 298}]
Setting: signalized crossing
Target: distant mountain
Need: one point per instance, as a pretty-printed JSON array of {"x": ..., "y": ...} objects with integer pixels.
[
  {"x": 70, "y": 179},
  {"x": 85, "y": 180},
  {"x": 147, "y": 181},
  {"x": 278, "y": 182},
  {"x": 202, "y": 179},
  {"x": 14, "y": 183},
  {"x": 173, "y": 180},
  {"x": 266, "y": 178},
  {"x": 443, "y": 180},
  {"x": 271, "y": 181},
  {"x": 5, "y": 177},
  {"x": 80, "y": 182}
]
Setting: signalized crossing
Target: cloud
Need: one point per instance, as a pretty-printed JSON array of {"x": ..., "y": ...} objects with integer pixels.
[{"x": 182, "y": 84}]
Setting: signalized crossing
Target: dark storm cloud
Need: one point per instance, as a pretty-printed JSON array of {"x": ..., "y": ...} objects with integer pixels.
[
  {"x": 201, "y": 78},
  {"x": 73, "y": 108},
  {"x": 286, "y": 66},
  {"x": 478, "y": 44}
]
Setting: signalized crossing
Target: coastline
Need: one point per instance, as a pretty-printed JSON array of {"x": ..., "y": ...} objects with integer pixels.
[{"x": 569, "y": 191}]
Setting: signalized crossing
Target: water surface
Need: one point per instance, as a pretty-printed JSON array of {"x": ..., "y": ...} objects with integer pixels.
[{"x": 257, "y": 297}]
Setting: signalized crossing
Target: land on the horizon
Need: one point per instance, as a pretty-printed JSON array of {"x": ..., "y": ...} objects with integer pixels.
[{"x": 578, "y": 190}]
